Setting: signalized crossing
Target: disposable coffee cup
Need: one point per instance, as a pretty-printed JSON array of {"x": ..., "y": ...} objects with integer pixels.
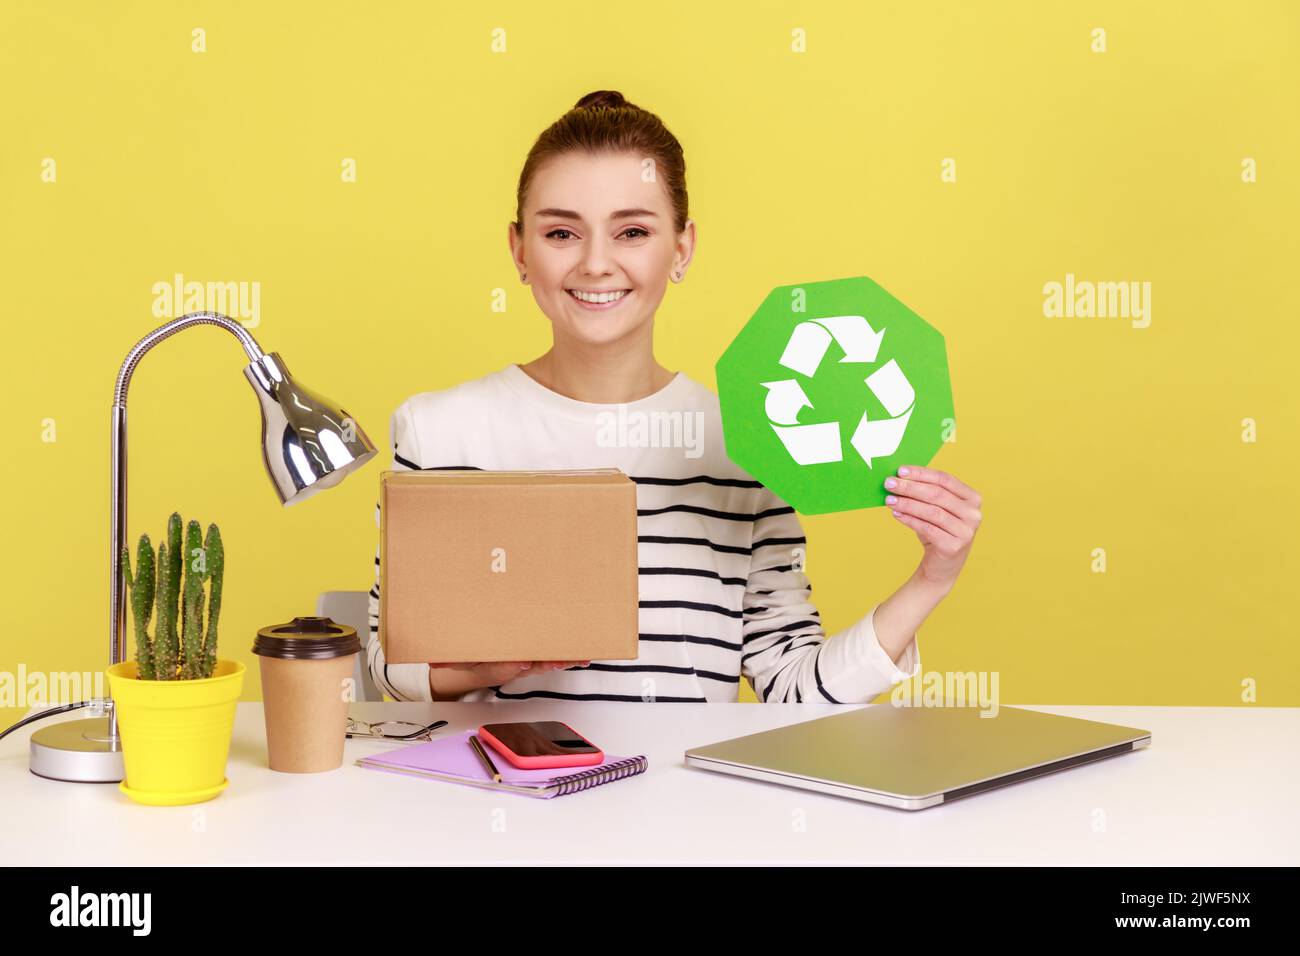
[{"x": 307, "y": 668}]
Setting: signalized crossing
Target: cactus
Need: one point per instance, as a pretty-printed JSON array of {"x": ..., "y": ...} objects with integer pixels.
[
  {"x": 166, "y": 643},
  {"x": 157, "y": 589},
  {"x": 164, "y": 656},
  {"x": 192, "y": 610},
  {"x": 142, "y": 589},
  {"x": 216, "y": 572}
]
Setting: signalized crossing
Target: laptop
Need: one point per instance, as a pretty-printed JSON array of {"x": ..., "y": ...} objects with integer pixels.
[{"x": 916, "y": 757}]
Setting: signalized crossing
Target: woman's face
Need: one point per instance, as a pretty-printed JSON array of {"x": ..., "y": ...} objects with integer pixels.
[{"x": 594, "y": 226}]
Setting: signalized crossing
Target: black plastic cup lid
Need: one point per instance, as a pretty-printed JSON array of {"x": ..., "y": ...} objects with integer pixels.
[{"x": 306, "y": 639}]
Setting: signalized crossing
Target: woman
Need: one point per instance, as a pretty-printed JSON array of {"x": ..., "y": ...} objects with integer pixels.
[{"x": 601, "y": 227}]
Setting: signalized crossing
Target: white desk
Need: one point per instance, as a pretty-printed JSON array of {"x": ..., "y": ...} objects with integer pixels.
[{"x": 1217, "y": 786}]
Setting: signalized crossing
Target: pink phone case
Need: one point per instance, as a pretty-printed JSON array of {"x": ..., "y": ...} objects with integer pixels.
[{"x": 542, "y": 762}]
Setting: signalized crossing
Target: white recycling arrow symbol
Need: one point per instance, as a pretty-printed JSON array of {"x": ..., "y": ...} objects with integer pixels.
[{"x": 819, "y": 443}]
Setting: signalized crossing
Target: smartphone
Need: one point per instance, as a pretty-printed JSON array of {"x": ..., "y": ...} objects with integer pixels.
[{"x": 536, "y": 744}]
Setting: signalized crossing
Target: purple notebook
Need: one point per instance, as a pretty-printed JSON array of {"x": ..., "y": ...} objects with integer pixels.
[{"x": 452, "y": 759}]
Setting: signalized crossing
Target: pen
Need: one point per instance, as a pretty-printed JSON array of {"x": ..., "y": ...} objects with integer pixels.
[{"x": 484, "y": 759}]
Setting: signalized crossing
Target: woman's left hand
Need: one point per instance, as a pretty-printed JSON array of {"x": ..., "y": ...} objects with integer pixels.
[{"x": 944, "y": 513}]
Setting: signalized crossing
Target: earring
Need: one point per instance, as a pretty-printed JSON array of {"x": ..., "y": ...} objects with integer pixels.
[
  {"x": 677, "y": 276},
  {"x": 523, "y": 277}
]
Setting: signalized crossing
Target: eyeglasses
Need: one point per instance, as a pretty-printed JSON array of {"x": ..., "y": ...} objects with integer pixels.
[{"x": 392, "y": 729}]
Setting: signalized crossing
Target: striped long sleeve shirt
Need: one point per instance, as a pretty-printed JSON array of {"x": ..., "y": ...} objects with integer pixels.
[{"x": 723, "y": 594}]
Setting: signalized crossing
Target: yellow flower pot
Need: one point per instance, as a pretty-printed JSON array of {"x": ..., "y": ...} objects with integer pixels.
[{"x": 175, "y": 733}]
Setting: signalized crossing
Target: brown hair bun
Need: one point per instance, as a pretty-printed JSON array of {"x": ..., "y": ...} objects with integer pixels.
[{"x": 610, "y": 99}]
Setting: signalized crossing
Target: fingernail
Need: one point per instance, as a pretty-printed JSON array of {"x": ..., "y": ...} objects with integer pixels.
[
  {"x": 903, "y": 472},
  {"x": 524, "y": 667},
  {"x": 890, "y": 483},
  {"x": 890, "y": 499}
]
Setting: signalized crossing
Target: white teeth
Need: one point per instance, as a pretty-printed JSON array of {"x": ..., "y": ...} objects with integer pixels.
[{"x": 597, "y": 297}]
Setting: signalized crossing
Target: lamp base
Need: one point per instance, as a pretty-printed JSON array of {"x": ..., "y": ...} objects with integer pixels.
[{"x": 79, "y": 751}]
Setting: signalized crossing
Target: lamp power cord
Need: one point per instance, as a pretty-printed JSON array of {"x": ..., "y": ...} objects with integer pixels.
[{"x": 98, "y": 703}]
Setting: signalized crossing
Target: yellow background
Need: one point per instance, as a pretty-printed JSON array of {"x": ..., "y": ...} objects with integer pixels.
[{"x": 1080, "y": 434}]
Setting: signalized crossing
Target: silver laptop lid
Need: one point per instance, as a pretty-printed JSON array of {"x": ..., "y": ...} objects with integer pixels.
[{"x": 913, "y": 757}]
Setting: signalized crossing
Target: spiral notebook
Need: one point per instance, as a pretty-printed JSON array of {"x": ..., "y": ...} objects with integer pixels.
[{"x": 452, "y": 759}]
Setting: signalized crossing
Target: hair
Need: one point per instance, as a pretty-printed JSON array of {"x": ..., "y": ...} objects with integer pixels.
[{"x": 602, "y": 121}]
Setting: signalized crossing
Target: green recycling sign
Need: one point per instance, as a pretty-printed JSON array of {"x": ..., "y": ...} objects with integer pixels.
[{"x": 829, "y": 388}]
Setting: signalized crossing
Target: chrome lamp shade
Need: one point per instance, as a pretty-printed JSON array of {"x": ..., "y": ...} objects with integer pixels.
[{"x": 308, "y": 442}]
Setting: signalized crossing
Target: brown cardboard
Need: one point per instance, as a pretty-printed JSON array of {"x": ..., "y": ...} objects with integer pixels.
[
  {"x": 568, "y": 544},
  {"x": 306, "y": 707}
]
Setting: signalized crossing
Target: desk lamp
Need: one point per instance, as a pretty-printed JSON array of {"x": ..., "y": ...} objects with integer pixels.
[{"x": 308, "y": 443}]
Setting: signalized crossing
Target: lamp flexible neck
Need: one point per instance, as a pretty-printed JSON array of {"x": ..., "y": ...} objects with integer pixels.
[{"x": 171, "y": 328}]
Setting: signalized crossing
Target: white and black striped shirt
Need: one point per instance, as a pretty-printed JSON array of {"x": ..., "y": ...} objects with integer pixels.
[{"x": 722, "y": 592}]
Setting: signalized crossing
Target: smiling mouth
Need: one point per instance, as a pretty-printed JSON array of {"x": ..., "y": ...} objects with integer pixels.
[{"x": 604, "y": 298}]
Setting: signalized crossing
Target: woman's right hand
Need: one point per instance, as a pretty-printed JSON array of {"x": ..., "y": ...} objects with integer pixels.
[{"x": 492, "y": 673}]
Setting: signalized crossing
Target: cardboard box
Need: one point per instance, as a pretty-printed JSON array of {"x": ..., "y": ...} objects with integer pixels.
[{"x": 505, "y": 566}]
